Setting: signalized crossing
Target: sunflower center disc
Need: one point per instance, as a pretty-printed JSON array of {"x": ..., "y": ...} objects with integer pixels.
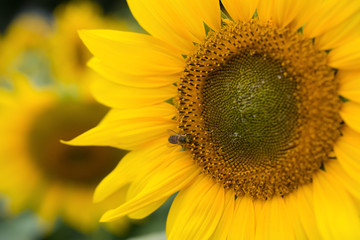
[
  {"x": 84, "y": 165},
  {"x": 249, "y": 108},
  {"x": 260, "y": 107}
]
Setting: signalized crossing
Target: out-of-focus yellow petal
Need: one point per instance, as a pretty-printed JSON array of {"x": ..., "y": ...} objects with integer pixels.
[
  {"x": 336, "y": 215},
  {"x": 51, "y": 203},
  {"x": 80, "y": 198},
  {"x": 26, "y": 32},
  {"x": 68, "y": 54},
  {"x": 179, "y": 23},
  {"x": 196, "y": 211}
]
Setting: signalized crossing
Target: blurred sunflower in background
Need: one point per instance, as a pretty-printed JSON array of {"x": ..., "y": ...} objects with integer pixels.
[
  {"x": 69, "y": 54},
  {"x": 39, "y": 106},
  {"x": 42, "y": 174},
  {"x": 25, "y": 39},
  {"x": 264, "y": 100}
]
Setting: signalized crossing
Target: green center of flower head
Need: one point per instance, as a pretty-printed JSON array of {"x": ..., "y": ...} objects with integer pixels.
[
  {"x": 249, "y": 108},
  {"x": 260, "y": 108},
  {"x": 64, "y": 121}
]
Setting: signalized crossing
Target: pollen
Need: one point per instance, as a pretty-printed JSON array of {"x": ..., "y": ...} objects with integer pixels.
[{"x": 260, "y": 106}]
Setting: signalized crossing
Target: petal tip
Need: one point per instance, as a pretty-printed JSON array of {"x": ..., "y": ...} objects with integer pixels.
[
  {"x": 109, "y": 217},
  {"x": 84, "y": 33},
  {"x": 98, "y": 196}
]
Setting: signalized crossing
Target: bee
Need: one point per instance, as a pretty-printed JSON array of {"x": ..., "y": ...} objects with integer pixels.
[{"x": 177, "y": 138}]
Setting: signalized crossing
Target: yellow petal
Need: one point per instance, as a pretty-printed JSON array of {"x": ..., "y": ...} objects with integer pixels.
[
  {"x": 223, "y": 228},
  {"x": 258, "y": 206},
  {"x": 161, "y": 184},
  {"x": 119, "y": 96},
  {"x": 196, "y": 12},
  {"x": 146, "y": 174},
  {"x": 349, "y": 136},
  {"x": 347, "y": 150},
  {"x": 116, "y": 75},
  {"x": 51, "y": 203},
  {"x": 348, "y": 158},
  {"x": 351, "y": 182},
  {"x": 307, "y": 10},
  {"x": 133, "y": 53},
  {"x": 350, "y": 113},
  {"x": 265, "y": 10},
  {"x": 350, "y": 85},
  {"x": 240, "y": 10},
  {"x": 146, "y": 211},
  {"x": 243, "y": 225},
  {"x": 286, "y": 11},
  {"x": 80, "y": 198},
  {"x": 330, "y": 14},
  {"x": 156, "y": 163},
  {"x": 163, "y": 110},
  {"x": 347, "y": 56},
  {"x": 292, "y": 205},
  {"x": 177, "y": 22},
  {"x": 345, "y": 76},
  {"x": 301, "y": 208},
  {"x": 128, "y": 168},
  {"x": 336, "y": 215},
  {"x": 34, "y": 184},
  {"x": 281, "y": 12},
  {"x": 340, "y": 35},
  {"x": 196, "y": 211},
  {"x": 274, "y": 221},
  {"x": 125, "y": 133}
]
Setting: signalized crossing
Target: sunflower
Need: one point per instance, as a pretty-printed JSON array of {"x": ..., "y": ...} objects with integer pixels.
[
  {"x": 23, "y": 39},
  {"x": 37, "y": 171},
  {"x": 263, "y": 98},
  {"x": 42, "y": 174},
  {"x": 69, "y": 55}
]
